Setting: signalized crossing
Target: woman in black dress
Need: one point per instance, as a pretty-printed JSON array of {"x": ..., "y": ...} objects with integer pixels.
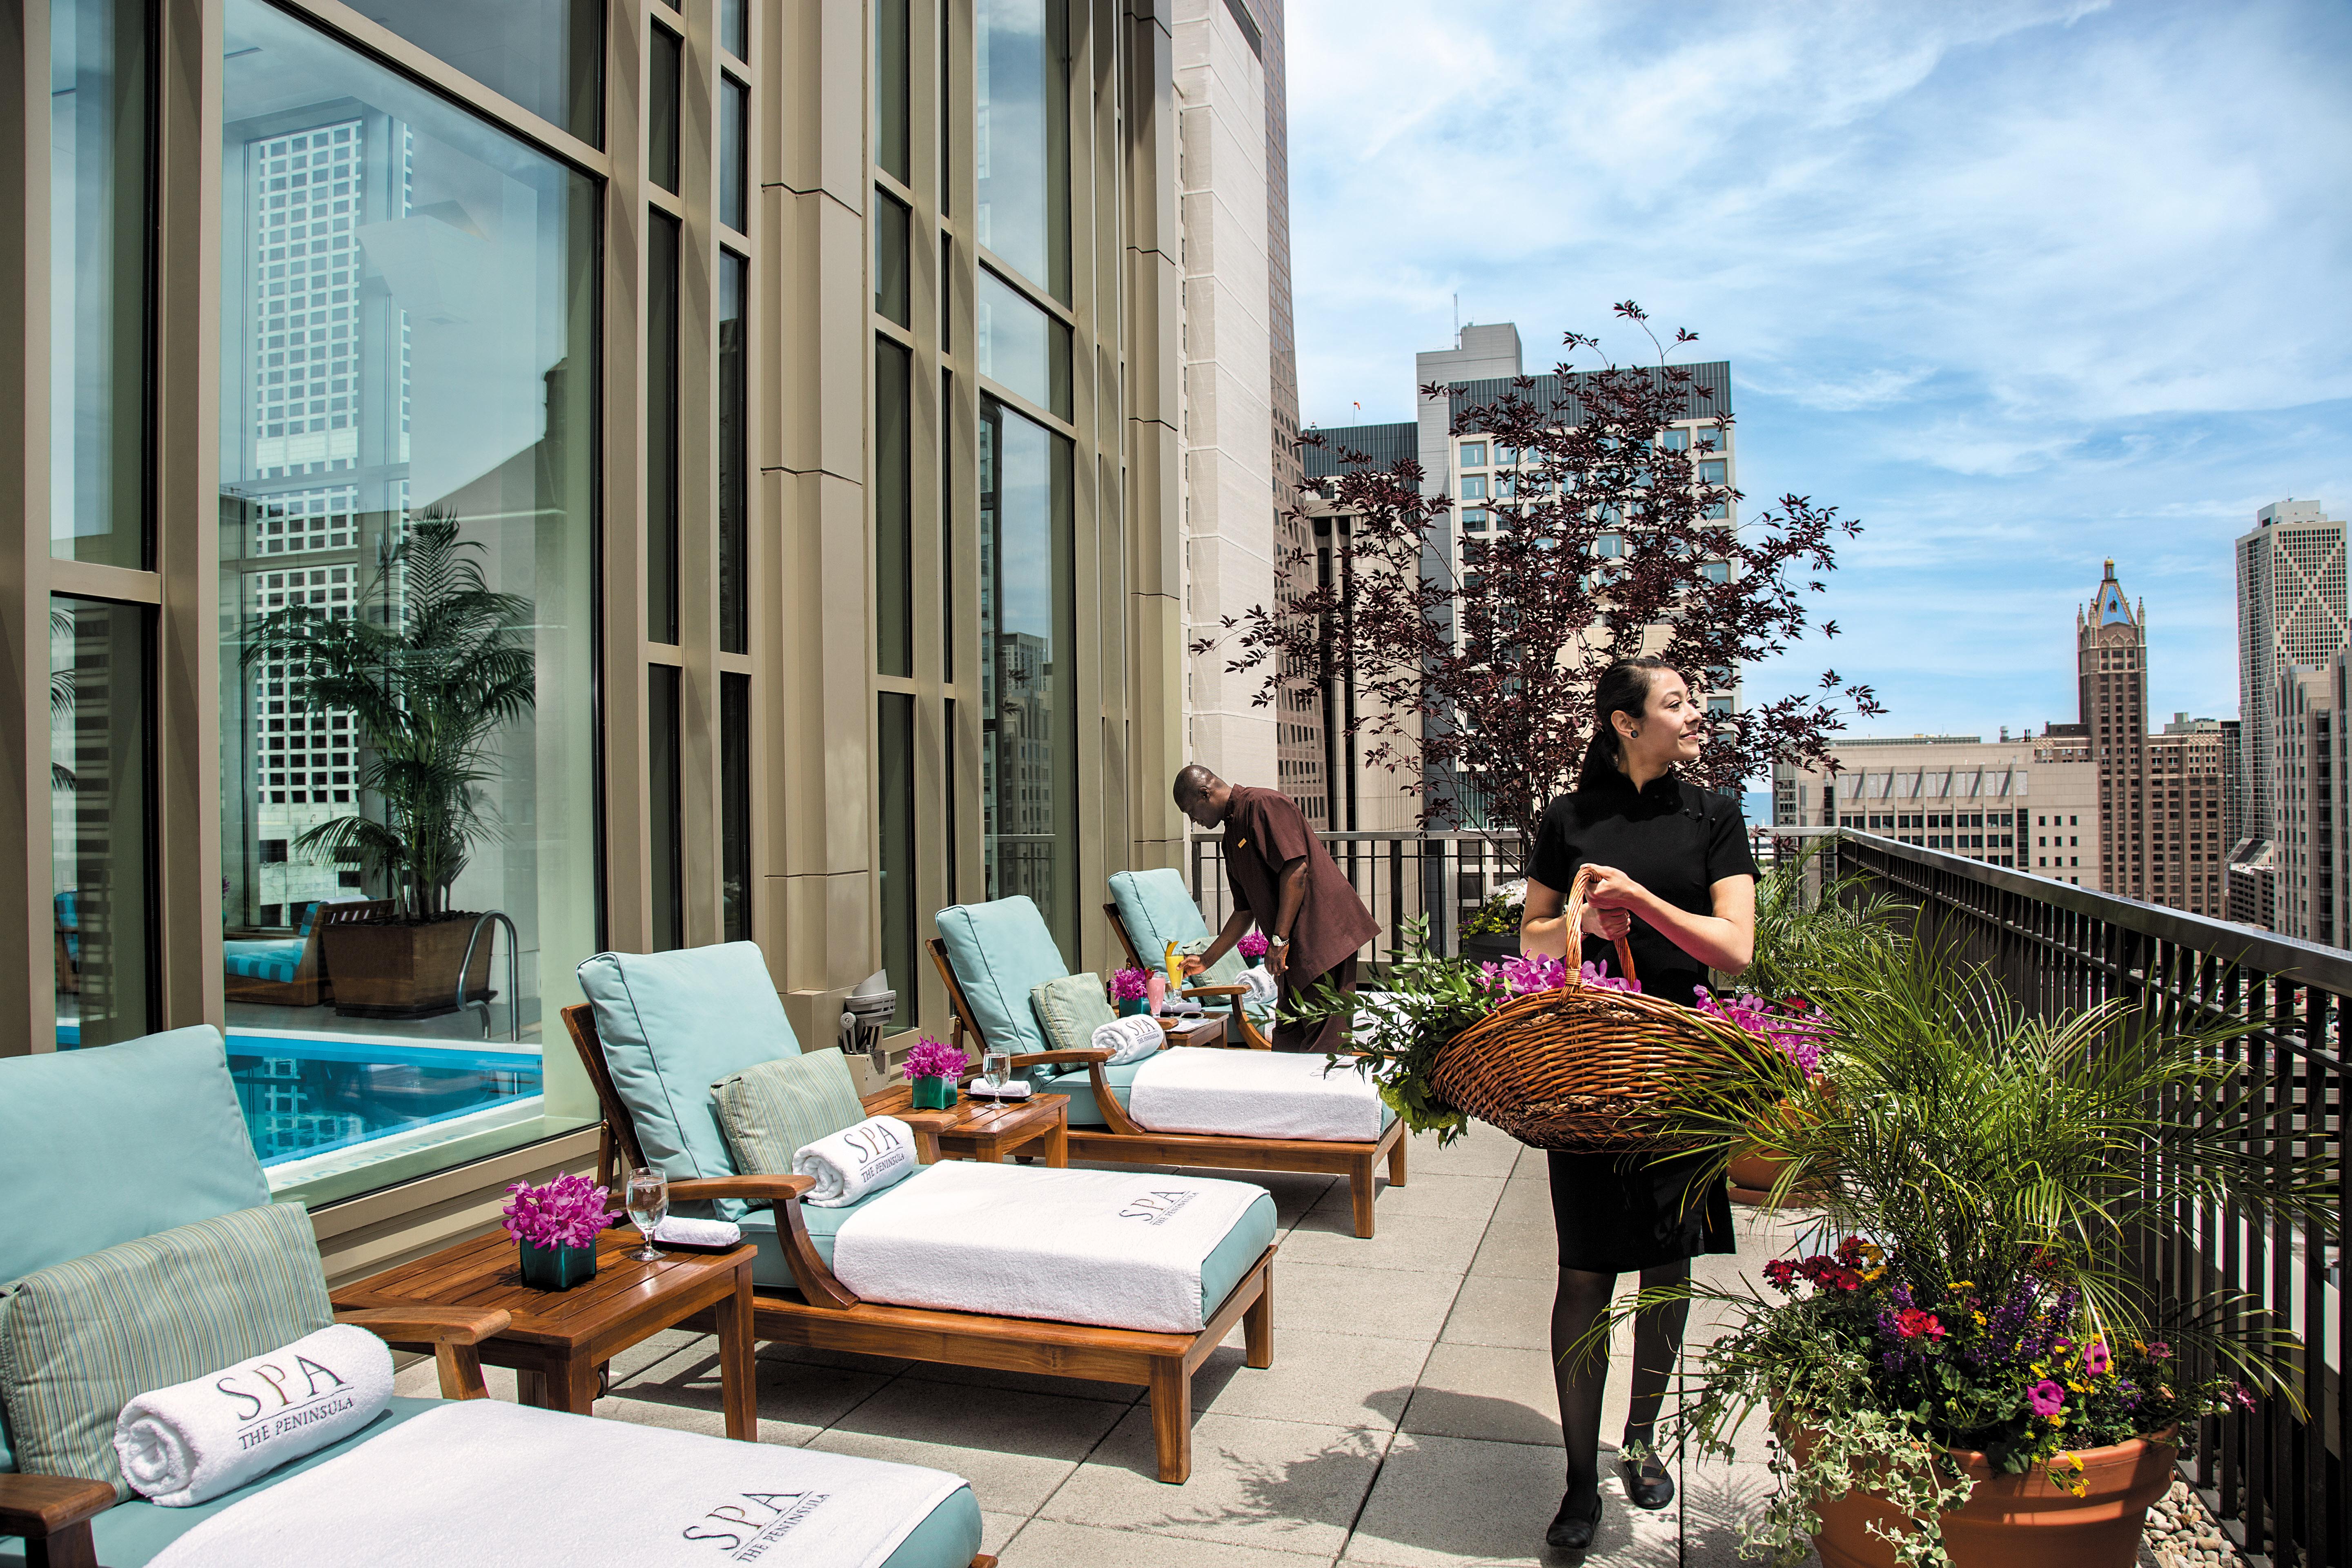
[{"x": 1677, "y": 881}]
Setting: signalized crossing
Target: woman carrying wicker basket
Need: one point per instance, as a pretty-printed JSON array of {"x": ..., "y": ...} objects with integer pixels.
[{"x": 1667, "y": 868}]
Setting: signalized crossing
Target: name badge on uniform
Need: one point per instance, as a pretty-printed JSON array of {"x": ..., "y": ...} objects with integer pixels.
[{"x": 1241, "y": 844}]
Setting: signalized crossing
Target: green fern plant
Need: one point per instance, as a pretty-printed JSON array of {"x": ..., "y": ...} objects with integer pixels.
[{"x": 442, "y": 666}]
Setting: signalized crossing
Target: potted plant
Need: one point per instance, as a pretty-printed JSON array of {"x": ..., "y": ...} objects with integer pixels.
[
  {"x": 435, "y": 666},
  {"x": 1251, "y": 947},
  {"x": 1129, "y": 991},
  {"x": 932, "y": 1069},
  {"x": 1962, "y": 1367},
  {"x": 1492, "y": 934},
  {"x": 555, "y": 1226}
]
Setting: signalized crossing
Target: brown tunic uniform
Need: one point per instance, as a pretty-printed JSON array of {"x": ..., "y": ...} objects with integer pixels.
[{"x": 1264, "y": 833}]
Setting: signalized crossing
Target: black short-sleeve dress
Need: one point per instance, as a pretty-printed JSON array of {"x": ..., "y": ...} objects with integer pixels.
[{"x": 1616, "y": 1214}]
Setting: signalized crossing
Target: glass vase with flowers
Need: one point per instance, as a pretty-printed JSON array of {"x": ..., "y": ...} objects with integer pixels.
[
  {"x": 932, "y": 1069},
  {"x": 1129, "y": 991},
  {"x": 555, "y": 1226},
  {"x": 1251, "y": 947}
]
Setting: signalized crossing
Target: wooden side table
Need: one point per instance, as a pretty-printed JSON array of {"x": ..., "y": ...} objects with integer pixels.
[
  {"x": 1208, "y": 1031},
  {"x": 560, "y": 1339},
  {"x": 987, "y": 1129}
]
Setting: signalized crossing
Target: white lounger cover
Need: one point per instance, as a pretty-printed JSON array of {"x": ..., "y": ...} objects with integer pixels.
[
  {"x": 1255, "y": 1094},
  {"x": 1108, "y": 1248},
  {"x": 487, "y": 1482}
]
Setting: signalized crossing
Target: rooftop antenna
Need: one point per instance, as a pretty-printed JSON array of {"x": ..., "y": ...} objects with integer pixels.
[{"x": 1457, "y": 320}]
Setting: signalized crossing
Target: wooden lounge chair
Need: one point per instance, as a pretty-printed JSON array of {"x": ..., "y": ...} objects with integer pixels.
[
  {"x": 137, "y": 1140},
  {"x": 993, "y": 1009},
  {"x": 816, "y": 1310},
  {"x": 1155, "y": 907}
]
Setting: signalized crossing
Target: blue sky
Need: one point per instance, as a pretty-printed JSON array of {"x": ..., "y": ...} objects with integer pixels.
[{"x": 2023, "y": 286}]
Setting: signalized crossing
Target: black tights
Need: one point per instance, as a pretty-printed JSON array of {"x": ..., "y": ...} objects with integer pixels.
[{"x": 1583, "y": 1298}]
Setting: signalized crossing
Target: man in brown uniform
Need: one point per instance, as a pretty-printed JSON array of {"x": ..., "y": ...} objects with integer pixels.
[{"x": 1285, "y": 880}]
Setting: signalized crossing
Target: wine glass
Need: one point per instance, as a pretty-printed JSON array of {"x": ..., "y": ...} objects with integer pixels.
[{"x": 648, "y": 1203}]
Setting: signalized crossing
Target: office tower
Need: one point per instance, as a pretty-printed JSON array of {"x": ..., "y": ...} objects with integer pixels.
[
  {"x": 2307, "y": 799},
  {"x": 2032, "y": 804},
  {"x": 2291, "y": 610}
]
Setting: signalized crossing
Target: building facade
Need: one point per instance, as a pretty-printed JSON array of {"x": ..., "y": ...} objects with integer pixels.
[
  {"x": 2292, "y": 609},
  {"x": 2032, "y": 804},
  {"x": 2307, "y": 872},
  {"x": 794, "y": 389}
]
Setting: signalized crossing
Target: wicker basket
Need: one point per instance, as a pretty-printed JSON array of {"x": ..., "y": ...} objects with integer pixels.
[{"x": 1579, "y": 1068}]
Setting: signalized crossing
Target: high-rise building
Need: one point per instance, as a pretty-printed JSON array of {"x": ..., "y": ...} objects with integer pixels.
[
  {"x": 2032, "y": 804},
  {"x": 2307, "y": 802},
  {"x": 2292, "y": 609}
]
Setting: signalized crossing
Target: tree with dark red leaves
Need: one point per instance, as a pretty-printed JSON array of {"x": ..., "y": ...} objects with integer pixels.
[{"x": 1477, "y": 684}]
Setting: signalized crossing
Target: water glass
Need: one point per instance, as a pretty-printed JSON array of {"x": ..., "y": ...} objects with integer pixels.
[
  {"x": 647, "y": 1197},
  {"x": 996, "y": 1069}
]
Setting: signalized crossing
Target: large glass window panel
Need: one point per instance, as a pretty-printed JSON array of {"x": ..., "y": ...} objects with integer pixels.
[
  {"x": 407, "y": 521},
  {"x": 734, "y": 148},
  {"x": 664, "y": 803},
  {"x": 1021, "y": 346},
  {"x": 1028, "y": 613},
  {"x": 99, "y": 270},
  {"x": 735, "y": 805},
  {"x": 663, "y": 88},
  {"x": 546, "y": 55},
  {"x": 100, "y": 803},
  {"x": 892, "y": 138},
  {"x": 895, "y": 813},
  {"x": 893, "y": 296},
  {"x": 735, "y": 27},
  {"x": 1021, "y": 140},
  {"x": 663, "y": 435},
  {"x": 734, "y": 455},
  {"x": 894, "y": 513}
]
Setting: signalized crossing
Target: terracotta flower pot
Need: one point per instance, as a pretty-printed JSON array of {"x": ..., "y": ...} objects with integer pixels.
[
  {"x": 1754, "y": 1169},
  {"x": 2025, "y": 1521}
]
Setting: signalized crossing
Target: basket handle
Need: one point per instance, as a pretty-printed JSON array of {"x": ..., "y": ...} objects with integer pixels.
[{"x": 1578, "y": 891}]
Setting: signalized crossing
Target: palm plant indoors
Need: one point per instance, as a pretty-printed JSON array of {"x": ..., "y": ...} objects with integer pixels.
[{"x": 430, "y": 677}]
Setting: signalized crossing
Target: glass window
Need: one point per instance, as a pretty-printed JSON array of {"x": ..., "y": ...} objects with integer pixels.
[
  {"x": 408, "y": 371},
  {"x": 1677, "y": 439},
  {"x": 1716, "y": 570},
  {"x": 1713, "y": 472},
  {"x": 734, "y": 456},
  {"x": 1609, "y": 545},
  {"x": 1020, "y": 144},
  {"x": 1021, "y": 346},
  {"x": 99, "y": 270},
  {"x": 894, "y": 513},
  {"x": 734, "y": 150},
  {"x": 1718, "y": 705},
  {"x": 665, "y": 804},
  {"x": 661, "y": 114},
  {"x": 1028, "y": 614},
  {"x": 735, "y": 806},
  {"x": 895, "y": 818},
  {"x": 946, "y": 546},
  {"x": 1474, "y": 486},
  {"x": 735, "y": 27},
  {"x": 546, "y": 55},
  {"x": 663, "y": 435},
  {"x": 1474, "y": 454},
  {"x": 892, "y": 137},
  {"x": 893, "y": 299},
  {"x": 1714, "y": 510},
  {"x": 1475, "y": 520},
  {"x": 100, "y": 801}
]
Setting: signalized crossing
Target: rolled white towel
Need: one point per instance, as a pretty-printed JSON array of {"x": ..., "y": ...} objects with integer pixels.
[
  {"x": 1129, "y": 1039},
  {"x": 688, "y": 1232},
  {"x": 856, "y": 1161},
  {"x": 211, "y": 1435},
  {"x": 1259, "y": 985}
]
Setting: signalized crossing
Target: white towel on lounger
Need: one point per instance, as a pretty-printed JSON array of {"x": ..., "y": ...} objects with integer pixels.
[
  {"x": 486, "y": 1482},
  {"x": 194, "y": 1440},
  {"x": 856, "y": 1161},
  {"x": 1255, "y": 1094},
  {"x": 1129, "y": 1039},
  {"x": 1259, "y": 987}
]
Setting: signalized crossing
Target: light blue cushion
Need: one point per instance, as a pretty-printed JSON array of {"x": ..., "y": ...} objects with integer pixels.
[
  {"x": 112, "y": 1144},
  {"x": 673, "y": 1024},
  {"x": 1156, "y": 909},
  {"x": 278, "y": 958},
  {"x": 1220, "y": 1272},
  {"x": 1001, "y": 952},
  {"x": 948, "y": 1536}
]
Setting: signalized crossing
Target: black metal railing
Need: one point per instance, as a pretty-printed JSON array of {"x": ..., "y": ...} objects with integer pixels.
[
  {"x": 2275, "y": 1475},
  {"x": 1443, "y": 878}
]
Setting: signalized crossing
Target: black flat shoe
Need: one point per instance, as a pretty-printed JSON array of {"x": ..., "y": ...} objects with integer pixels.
[
  {"x": 1572, "y": 1527},
  {"x": 1647, "y": 1484}
]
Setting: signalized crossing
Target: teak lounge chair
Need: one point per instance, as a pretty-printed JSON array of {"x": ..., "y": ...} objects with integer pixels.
[
  {"x": 676, "y": 1022},
  {"x": 990, "y": 955},
  {"x": 144, "y": 1142},
  {"x": 1148, "y": 911}
]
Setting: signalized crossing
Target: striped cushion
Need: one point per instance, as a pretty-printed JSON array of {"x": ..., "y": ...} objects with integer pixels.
[
  {"x": 278, "y": 959},
  {"x": 771, "y": 1111},
  {"x": 1070, "y": 1009},
  {"x": 82, "y": 1339}
]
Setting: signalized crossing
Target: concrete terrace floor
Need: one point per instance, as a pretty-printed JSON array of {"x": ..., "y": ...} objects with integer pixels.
[{"x": 1407, "y": 1418}]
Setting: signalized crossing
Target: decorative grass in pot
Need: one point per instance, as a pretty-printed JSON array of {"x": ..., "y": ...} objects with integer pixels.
[
  {"x": 555, "y": 1226},
  {"x": 932, "y": 1069}
]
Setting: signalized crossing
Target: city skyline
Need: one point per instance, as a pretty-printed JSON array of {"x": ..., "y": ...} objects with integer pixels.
[{"x": 2057, "y": 338}]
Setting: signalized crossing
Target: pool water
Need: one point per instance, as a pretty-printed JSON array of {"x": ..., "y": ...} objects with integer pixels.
[{"x": 303, "y": 1096}]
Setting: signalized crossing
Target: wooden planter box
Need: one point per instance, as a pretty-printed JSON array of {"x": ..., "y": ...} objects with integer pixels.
[{"x": 384, "y": 970}]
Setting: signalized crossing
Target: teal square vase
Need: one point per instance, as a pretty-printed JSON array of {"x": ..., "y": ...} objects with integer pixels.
[
  {"x": 1255, "y": 959},
  {"x": 556, "y": 1268},
  {"x": 935, "y": 1093},
  {"x": 1132, "y": 1006}
]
